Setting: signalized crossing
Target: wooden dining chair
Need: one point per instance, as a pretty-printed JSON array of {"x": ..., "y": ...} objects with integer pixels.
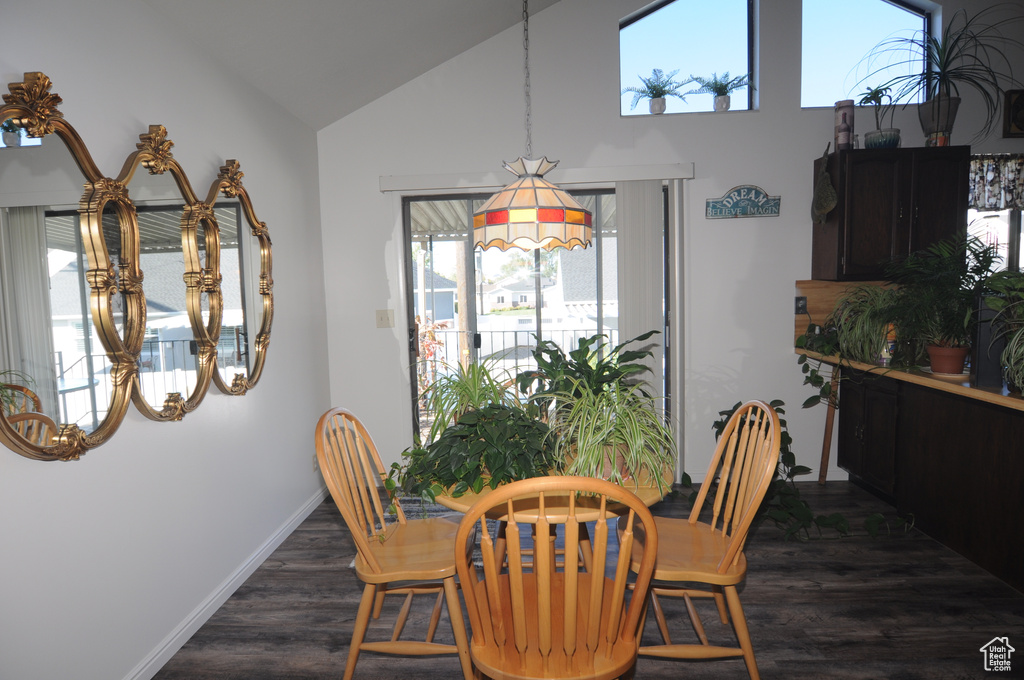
[
  {"x": 707, "y": 556},
  {"x": 22, "y": 400},
  {"x": 403, "y": 556},
  {"x": 538, "y": 619},
  {"x": 37, "y": 428}
]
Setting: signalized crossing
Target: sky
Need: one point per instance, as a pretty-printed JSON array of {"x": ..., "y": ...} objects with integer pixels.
[{"x": 831, "y": 75}]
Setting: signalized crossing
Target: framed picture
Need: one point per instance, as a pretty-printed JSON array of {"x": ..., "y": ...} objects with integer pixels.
[{"x": 1013, "y": 114}]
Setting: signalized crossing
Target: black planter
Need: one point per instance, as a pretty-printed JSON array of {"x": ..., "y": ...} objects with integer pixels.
[{"x": 986, "y": 368}]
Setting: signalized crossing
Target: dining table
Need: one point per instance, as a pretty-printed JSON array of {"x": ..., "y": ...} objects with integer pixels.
[{"x": 645, "y": 488}]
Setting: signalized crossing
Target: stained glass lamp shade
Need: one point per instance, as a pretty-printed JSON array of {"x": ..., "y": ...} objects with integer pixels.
[{"x": 531, "y": 213}]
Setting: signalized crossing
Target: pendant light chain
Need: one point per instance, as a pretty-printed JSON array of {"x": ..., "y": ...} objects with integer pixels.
[{"x": 526, "y": 75}]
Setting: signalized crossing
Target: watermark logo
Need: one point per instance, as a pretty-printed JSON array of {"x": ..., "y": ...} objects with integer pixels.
[{"x": 997, "y": 653}]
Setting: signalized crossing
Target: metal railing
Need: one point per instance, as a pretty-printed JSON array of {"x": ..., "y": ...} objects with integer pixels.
[{"x": 165, "y": 366}]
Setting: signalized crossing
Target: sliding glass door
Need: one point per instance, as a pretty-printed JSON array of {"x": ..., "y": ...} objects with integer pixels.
[{"x": 469, "y": 304}]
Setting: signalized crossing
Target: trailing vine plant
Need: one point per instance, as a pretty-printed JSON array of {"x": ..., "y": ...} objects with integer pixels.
[{"x": 783, "y": 504}]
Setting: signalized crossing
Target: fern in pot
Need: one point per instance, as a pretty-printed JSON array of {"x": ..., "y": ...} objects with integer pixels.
[{"x": 934, "y": 308}]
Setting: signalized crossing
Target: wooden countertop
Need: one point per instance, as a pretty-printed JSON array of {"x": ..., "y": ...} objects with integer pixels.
[{"x": 954, "y": 384}]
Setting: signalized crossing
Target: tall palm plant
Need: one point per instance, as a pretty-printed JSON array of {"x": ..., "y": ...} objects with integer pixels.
[{"x": 969, "y": 54}]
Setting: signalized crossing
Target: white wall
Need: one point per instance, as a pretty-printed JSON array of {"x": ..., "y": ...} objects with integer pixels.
[
  {"x": 466, "y": 117},
  {"x": 107, "y": 563}
]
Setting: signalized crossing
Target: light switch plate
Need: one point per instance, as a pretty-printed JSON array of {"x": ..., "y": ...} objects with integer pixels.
[{"x": 385, "y": 318}]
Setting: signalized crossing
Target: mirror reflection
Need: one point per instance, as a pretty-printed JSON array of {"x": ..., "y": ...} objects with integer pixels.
[
  {"x": 118, "y": 290},
  {"x": 47, "y": 342},
  {"x": 233, "y": 348}
]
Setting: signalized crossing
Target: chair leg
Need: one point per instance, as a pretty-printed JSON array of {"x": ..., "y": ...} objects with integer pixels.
[
  {"x": 362, "y": 621},
  {"x": 378, "y": 603},
  {"x": 458, "y": 626},
  {"x": 720, "y": 603},
  {"x": 739, "y": 622}
]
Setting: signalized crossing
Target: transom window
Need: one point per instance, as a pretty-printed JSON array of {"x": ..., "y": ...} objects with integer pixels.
[
  {"x": 693, "y": 38},
  {"x": 837, "y": 36}
]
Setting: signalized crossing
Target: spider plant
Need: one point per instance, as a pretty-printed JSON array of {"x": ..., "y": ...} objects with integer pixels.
[
  {"x": 861, "y": 320},
  {"x": 618, "y": 434},
  {"x": 8, "y": 376},
  {"x": 969, "y": 54},
  {"x": 462, "y": 388}
]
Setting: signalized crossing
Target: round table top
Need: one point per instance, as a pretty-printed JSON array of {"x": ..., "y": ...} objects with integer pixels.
[{"x": 648, "y": 492}]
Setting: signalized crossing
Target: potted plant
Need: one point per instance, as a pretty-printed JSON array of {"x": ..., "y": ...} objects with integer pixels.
[
  {"x": 591, "y": 367},
  {"x": 934, "y": 308},
  {"x": 462, "y": 388},
  {"x": 656, "y": 88},
  {"x": 604, "y": 422},
  {"x": 486, "y": 446},
  {"x": 862, "y": 318},
  {"x": 618, "y": 433},
  {"x": 7, "y": 395},
  {"x": 1006, "y": 298},
  {"x": 11, "y": 133},
  {"x": 880, "y": 138},
  {"x": 968, "y": 54},
  {"x": 721, "y": 88}
]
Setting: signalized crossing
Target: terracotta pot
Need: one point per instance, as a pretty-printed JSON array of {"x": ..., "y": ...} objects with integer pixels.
[{"x": 948, "y": 360}]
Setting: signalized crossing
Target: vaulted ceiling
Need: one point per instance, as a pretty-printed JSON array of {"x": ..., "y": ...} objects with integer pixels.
[{"x": 323, "y": 59}]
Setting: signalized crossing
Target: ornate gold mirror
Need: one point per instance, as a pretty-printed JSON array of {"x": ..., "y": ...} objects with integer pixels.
[
  {"x": 247, "y": 355},
  {"x": 118, "y": 299}
]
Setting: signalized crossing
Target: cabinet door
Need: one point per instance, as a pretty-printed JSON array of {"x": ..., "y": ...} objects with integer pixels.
[
  {"x": 938, "y": 195},
  {"x": 850, "y": 445},
  {"x": 879, "y": 456},
  {"x": 873, "y": 212},
  {"x": 867, "y": 430}
]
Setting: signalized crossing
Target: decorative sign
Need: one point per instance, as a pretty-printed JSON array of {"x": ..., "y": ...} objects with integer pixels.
[{"x": 745, "y": 200}]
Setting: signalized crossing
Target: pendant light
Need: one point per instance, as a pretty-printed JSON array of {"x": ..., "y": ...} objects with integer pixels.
[{"x": 531, "y": 212}]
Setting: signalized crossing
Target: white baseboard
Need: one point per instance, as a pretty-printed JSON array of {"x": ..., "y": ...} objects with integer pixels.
[{"x": 163, "y": 652}]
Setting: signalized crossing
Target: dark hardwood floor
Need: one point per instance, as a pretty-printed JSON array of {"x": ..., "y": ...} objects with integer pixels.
[{"x": 898, "y": 607}]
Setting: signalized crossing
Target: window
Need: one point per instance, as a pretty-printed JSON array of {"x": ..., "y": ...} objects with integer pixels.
[
  {"x": 561, "y": 295},
  {"x": 675, "y": 36},
  {"x": 838, "y": 36},
  {"x": 1000, "y": 228}
]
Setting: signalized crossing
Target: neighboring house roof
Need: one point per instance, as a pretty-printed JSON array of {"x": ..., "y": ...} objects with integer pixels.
[
  {"x": 578, "y": 267},
  {"x": 162, "y": 284},
  {"x": 516, "y": 284},
  {"x": 432, "y": 280}
]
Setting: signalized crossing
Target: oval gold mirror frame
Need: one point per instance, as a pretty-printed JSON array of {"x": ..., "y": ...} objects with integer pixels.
[
  {"x": 153, "y": 153},
  {"x": 31, "y": 105},
  {"x": 229, "y": 183}
]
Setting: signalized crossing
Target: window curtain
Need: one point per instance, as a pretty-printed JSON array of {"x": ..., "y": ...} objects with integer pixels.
[
  {"x": 26, "y": 337},
  {"x": 640, "y": 216},
  {"x": 997, "y": 182}
]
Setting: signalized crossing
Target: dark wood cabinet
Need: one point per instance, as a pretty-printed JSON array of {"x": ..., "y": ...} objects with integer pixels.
[
  {"x": 949, "y": 461},
  {"x": 867, "y": 430},
  {"x": 891, "y": 202}
]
